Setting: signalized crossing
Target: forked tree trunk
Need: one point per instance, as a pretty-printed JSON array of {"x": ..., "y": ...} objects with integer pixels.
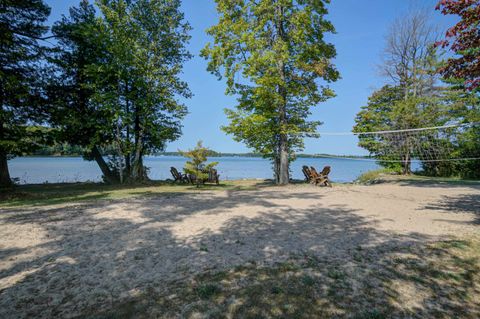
[
  {"x": 5, "y": 180},
  {"x": 108, "y": 175}
]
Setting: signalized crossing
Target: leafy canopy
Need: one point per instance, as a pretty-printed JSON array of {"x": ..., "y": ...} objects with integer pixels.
[
  {"x": 464, "y": 40},
  {"x": 272, "y": 53}
]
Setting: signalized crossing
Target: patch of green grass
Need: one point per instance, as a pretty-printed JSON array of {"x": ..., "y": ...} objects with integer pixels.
[
  {"x": 374, "y": 175},
  {"x": 206, "y": 291},
  {"x": 370, "y": 314},
  {"x": 53, "y": 194},
  {"x": 308, "y": 280}
]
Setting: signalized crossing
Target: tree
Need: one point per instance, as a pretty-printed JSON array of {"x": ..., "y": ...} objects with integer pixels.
[
  {"x": 197, "y": 165},
  {"x": 21, "y": 96},
  {"x": 387, "y": 109},
  {"x": 410, "y": 60},
  {"x": 462, "y": 106},
  {"x": 409, "y": 55},
  {"x": 278, "y": 47},
  {"x": 81, "y": 121},
  {"x": 119, "y": 81},
  {"x": 139, "y": 80},
  {"x": 464, "y": 40}
]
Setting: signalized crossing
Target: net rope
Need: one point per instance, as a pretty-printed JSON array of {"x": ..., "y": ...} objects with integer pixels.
[{"x": 452, "y": 142}]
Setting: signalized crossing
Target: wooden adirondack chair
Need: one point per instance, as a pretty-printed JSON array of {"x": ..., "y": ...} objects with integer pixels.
[
  {"x": 308, "y": 174},
  {"x": 213, "y": 177},
  {"x": 177, "y": 176},
  {"x": 322, "y": 177}
]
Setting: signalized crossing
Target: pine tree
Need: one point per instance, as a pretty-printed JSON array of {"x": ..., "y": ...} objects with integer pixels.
[
  {"x": 80, "y": 120},
  {"x": 197, "y": 166},
  {"x": 21, "y": 96}
]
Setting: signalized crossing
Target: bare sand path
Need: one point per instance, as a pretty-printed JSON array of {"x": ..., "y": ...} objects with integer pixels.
[{"x": 58, "y": 261}]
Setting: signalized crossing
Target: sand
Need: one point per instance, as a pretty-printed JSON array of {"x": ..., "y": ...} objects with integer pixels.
[{"x": 61, "y": 260}]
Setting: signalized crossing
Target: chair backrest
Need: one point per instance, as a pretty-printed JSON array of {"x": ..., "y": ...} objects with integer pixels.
[
  {"x": 325, "y": 171},
  {"x": 174, "y": 172},
  {"x": 212, "y": 175},
  {"x": 314, "y": 171},
  {"x": 306, "y": 172}
]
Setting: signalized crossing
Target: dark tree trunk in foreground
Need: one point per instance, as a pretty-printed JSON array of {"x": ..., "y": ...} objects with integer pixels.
[
  {"x": 5, "y": 180},
  {"x": 108, "y": 175}
]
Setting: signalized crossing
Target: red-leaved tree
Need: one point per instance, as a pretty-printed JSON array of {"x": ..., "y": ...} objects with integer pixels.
[{"x": 464, "y": 40}]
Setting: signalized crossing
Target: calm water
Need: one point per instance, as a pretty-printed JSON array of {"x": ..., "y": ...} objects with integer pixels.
[{"x": 75, "y": 169}]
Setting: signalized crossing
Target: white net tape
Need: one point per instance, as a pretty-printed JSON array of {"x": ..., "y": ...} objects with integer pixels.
[{"x": 432, "y": 144}]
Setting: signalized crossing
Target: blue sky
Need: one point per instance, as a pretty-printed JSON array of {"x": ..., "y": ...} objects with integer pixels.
[{"x": 361, "y": 29}]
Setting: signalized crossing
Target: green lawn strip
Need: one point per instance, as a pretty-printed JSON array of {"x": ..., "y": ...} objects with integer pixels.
[{"x": 51, "y": 194}]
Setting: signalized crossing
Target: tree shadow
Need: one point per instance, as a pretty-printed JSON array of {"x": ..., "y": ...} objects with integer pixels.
[
  {"x": 467, "y": 203},
  {"x": 99, "y": 254},
  {"x": 437, "y": 183}
]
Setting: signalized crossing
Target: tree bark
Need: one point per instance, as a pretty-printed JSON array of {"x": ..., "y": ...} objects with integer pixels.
[
  {"x": 128, "y": 167},
  {"x": 407, "y": 164},
  {"x": 283, "y": 178},
  {"x": 138, "y": 171},
  {"x": 5, "y": 180},
  {"x": 108, "y": 175}
]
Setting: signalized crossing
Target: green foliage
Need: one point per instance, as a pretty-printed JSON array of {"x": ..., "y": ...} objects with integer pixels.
[
  {"x": 463, "y": 107},
  {"x": 119, "y": 80},
  {"x": 80, "y": 46},
  {"x": 389, "y": 109},
  {"x": 197, "y": 165},
  {"x": 21, "y": 77},
  {"x": 280, "y": 51}
]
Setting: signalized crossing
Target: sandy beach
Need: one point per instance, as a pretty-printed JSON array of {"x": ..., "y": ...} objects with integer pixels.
[{"x": 58, "y": 261}]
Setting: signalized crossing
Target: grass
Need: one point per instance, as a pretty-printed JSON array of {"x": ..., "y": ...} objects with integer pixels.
[
  {"x": 51, "y": 194},
  {"x": 54, "y": 194},
  {"x": 440, "y": 280},
  {"x": 391, "y": 175},
  {"x": 373, "y": 176}
]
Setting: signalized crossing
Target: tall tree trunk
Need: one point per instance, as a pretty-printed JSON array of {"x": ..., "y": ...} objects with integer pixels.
[
  {"x": 138, "y": 171},
  {"x": 5, "y": 180},
  {"x": 108, "y": 175},
  {"x": 283, "y": 178},
  {"x": 406, "y": 164},
  {"x": 128, "y": 167},
  {"x": 276, "y": 167}
]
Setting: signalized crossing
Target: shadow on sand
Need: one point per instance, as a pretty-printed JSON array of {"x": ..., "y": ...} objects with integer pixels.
[{"x": 97, "y": 256}]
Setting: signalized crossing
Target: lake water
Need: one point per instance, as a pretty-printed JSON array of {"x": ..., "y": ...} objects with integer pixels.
[{"x": 35, "y": 170}]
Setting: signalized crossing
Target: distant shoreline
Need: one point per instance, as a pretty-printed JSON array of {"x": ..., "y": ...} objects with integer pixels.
[{"x": 217, "y": 155}]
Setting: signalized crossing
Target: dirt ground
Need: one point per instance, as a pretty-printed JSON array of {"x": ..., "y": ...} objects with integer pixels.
[{"x": 58, "y": 261}]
